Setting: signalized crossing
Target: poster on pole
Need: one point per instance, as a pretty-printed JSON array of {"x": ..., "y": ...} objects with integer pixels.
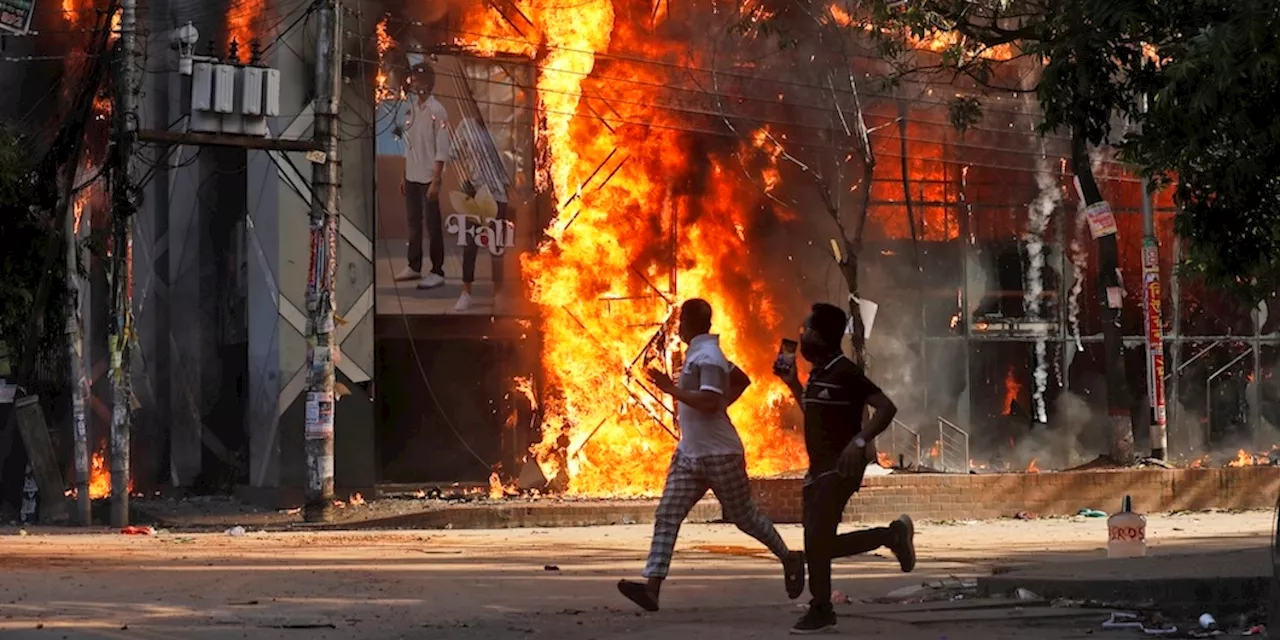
[
  {"x": 15, "y": 16},
  {"x": 1102, "y": 222},
  {"x": 319, "y": 415},
  {"x": 1155, "y": 351}
]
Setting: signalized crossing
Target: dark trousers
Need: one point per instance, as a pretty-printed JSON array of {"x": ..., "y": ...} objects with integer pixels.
[
  {"x": 824, "y": 501},
  {"x": 469, "y": 256},
  {"x": 419, "y": 205}
]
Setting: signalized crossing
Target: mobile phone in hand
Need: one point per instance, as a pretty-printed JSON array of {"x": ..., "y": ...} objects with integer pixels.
[{"x": 785, "y": 364}]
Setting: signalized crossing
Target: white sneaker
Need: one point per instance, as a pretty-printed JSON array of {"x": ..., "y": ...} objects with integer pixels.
[
  {"x": 464, "y": 303},
  {"x": 431, "y": 281},
  {"x": 408, "y": 274}
]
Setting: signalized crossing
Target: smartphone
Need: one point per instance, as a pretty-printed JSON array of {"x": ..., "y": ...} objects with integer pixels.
[{"x": 785, "y": 364}]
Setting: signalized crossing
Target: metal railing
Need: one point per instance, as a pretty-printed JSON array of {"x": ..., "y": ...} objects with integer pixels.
[
  {"x": 1208, "y": 394},
  {"x": 903, "y": 444},
  {"x": 953, "y": 447}
]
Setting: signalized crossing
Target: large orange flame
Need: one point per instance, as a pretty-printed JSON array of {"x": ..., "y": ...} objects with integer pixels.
[
  {"x": 383, "y": 91},
  {"x": 602, "y": 279},
  {"x": 243, "y": 24}
]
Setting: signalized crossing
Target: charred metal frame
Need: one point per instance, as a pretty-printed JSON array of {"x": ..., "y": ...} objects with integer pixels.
[{"x": 1062, "y": 337}]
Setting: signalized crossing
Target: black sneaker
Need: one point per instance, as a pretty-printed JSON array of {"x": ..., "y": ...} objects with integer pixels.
[
  {"x": 819, "y": 619},
  {"x": 793, "y": 573},
  {"x": 904, "y": 542}
]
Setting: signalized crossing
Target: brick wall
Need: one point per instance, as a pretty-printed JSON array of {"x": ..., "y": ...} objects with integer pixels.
[{"x": 975, "y": 497}]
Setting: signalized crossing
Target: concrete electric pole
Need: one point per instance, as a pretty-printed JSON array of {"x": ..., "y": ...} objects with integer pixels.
[
  {"x": 321, "y": 347},
  {"x": 75, "y": 347},
  {"x": 122, "y": 209},
  {"x": 1154, "y": 323}
]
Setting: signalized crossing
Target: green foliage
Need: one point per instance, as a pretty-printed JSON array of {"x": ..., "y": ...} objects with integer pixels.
[
  {"x": 1212, "y": 131},
  {"x": 964, "y": 111},
  {"x": 1215, "y": 82},
  {"x": 1091, "y": 52},
  {"x": 26, "y": 235}
]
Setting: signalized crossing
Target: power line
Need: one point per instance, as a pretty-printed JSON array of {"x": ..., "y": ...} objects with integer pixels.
[
  {"x": 873, "y": 131},
  {"x": 829, "y": 111},
  {"x": 841, "y": 149},
  {"x": 600, "y": 55}
]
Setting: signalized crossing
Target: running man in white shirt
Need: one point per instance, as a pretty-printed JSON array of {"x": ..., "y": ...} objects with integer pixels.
[
  {"x": 709, "y": 456},
  {"x": 427, "y": 146}
]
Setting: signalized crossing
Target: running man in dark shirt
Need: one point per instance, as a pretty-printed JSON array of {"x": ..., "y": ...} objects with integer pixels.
[{"x": 840, "y": 447}]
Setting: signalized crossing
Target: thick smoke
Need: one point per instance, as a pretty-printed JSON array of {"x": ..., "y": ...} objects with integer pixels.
[
  {"x": 1038, "y": 215},
  {"x": 1070, "y": 443}
]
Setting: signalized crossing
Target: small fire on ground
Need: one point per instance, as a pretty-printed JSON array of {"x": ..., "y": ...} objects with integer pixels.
[
  {"x": 1245, "y": 459},
  {"x": 100, "y": 476},
  {"x": 354, "y": 501},
  {"x": 498, "y": 490}
]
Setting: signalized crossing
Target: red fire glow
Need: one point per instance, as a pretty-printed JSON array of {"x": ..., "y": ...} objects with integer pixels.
[{"x": 1011, "y": 390}]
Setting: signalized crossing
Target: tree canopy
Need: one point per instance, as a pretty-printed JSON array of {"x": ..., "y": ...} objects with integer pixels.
[
  {"x": 1211, "y": 131},
  {"x": 1211, "y": 70},
  {"x": 27, "y": 233}
]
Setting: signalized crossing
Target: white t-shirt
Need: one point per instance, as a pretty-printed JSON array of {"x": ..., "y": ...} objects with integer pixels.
[
  {"x": 705, "y": 433},
  {"x": 426, "y": 138}
]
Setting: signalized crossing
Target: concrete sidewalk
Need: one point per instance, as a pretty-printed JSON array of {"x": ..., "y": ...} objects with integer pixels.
[{"x": 1224, "y": 584}]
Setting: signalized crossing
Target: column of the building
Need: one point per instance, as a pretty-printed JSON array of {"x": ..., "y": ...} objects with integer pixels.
[{"x": 279, "y": 201}]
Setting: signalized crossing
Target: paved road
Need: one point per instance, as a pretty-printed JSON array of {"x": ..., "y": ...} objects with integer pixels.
[{"x": 496, "y": 584}]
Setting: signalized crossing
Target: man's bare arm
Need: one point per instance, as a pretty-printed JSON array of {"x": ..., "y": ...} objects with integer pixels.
[{"x": 885, "y": 410}]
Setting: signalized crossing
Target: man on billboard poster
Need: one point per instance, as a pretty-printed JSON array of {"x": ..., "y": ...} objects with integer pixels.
[{"x": 427, "y": 146}]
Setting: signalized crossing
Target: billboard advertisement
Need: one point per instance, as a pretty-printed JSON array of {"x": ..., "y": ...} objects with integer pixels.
[{"x": 455, "y": 198}]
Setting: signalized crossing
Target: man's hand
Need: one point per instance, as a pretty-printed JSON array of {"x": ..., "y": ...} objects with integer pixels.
[
  {"x": 852, "y": 460},
  {"x": 433, "y": 190},
  {"x": 660, "y": 380},
  {"x": 402, "y": 187},
  {"x": 789, "y": 376}
]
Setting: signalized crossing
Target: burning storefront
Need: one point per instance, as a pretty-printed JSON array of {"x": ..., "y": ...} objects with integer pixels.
[{"x": 673, "y": 166}]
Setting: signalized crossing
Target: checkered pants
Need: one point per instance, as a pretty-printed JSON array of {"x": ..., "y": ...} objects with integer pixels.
[{"x": 687, "y": 481}]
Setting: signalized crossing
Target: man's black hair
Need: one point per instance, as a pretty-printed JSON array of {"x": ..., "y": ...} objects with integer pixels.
[
  {"x": 829, "y": 321},
  {"x": 695, "y": 314}
]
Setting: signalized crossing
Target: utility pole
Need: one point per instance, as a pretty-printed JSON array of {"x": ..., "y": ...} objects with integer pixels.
[
  {"x": 1154, "y": 323},
  {"x": 1154, "y": 329},
  {"x": 325, "y": 185},
  {"x": 122, "y": 210},
  {"x": 75, "y": 346}
]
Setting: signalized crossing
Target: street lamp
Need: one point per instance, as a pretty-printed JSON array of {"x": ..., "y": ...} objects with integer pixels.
[{"x": 186, "y": 38}]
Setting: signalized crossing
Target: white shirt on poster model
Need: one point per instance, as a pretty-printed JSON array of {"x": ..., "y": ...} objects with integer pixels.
[{"x": 426, "y": 138}]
